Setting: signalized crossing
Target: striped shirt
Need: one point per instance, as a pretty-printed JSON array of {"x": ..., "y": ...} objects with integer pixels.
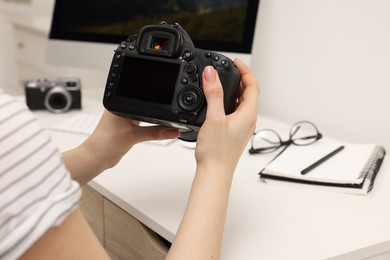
[{"x": 36, "y": 190}]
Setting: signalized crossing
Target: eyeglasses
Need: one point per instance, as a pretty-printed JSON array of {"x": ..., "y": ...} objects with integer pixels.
[{"x": 268, "y": 141}]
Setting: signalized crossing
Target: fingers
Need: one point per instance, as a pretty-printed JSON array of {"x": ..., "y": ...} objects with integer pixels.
[
  {"x": 250, "y": 91},
  {"x": 213, "y": 92},
  {"x": 155, "y": 133}
]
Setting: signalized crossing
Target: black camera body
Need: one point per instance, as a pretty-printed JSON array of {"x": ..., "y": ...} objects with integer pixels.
[
  {"x": 156, "y": 77},
  {"x": 57, "y": 95}
]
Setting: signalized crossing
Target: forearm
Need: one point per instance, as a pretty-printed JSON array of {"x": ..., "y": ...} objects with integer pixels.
[
  {"x": 83, "y": 164},
  {"x": 111, "y": 140},
  {"x": 200, "y": 233}
]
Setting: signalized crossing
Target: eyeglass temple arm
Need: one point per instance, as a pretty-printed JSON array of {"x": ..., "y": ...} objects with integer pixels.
[
  {"x": 317, "y": 136},
  {"x": 259, "y": 150}
]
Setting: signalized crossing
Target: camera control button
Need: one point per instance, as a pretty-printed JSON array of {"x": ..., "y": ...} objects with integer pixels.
[
  {"x": 115, "y": 65},
  {"x": 190, "y": 98},
  {"x": 223, "y": 62},
  {"x": 208, "y": 55},
  {"x": 191, "y": 69},
  {"x": 131, "y": 47},
  {"x": 187, "y": 55},
  {"x": 114, "y": 75},
  {"x": 216, "y": 58},
  {"x": 123, "y": 45},
  {"x": 194, "y": 78},
  {"x": 184, "y": 81},
  {"x": 132, "y": 38},
  {"x": 184, "y": 118}
]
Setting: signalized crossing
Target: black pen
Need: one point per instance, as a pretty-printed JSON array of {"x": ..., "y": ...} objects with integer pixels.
[{"x": 323, "y": 159}]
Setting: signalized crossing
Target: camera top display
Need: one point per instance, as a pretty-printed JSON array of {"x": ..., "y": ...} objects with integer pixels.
[{"x": 156, "y": 77}]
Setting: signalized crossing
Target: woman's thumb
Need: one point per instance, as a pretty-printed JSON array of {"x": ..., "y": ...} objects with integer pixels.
[{"x": 213, "y": 92}]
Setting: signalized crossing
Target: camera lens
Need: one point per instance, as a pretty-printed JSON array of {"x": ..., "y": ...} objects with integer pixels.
[
  {"x": 58, "y": 100},
  {"x": 190, "y": 98},
  {"x": 159, "y": 43}
]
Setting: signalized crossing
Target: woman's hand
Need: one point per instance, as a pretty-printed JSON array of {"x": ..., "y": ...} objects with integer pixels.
[
  {"x": 222, "y": 138},
  {"x": 113, "y": 137},
  {"x": 221, "y": 141}
]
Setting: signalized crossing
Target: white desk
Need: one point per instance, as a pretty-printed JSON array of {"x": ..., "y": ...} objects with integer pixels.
[{"x": 152, "y": 183}]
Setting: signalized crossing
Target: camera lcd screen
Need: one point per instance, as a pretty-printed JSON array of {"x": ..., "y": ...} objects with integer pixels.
[{"x": 148, "y": 80}]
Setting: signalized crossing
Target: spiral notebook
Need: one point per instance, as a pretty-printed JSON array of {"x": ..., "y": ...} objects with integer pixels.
[{"x": 351, "y": 170}]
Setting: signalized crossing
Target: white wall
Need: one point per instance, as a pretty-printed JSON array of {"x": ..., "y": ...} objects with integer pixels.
[
  {"x": 327, "y": 61},
  {"x": 8, "y": 73}
]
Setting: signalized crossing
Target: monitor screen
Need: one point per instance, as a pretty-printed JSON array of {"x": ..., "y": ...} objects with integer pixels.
[
  {"x": 225, "y": 26},
  {"x": 219, "y": 25}
]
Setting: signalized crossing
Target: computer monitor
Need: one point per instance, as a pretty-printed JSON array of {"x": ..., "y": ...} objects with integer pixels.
[{"x": 85, "y": 33}]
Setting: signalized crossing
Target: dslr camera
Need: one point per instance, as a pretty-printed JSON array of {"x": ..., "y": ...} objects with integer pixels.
[
  {"x": 156, "y": 77},
  {"x": 57, "y": 95}
]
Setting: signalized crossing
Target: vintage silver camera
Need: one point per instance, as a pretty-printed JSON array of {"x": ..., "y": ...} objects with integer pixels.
[{"x": 58, "y": 95}]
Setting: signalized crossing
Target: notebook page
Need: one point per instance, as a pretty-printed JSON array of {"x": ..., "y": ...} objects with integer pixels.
[{"x": 344, "y": 167}]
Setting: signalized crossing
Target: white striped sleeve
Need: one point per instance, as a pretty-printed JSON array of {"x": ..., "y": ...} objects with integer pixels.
[{"x": 36, "y": 190}]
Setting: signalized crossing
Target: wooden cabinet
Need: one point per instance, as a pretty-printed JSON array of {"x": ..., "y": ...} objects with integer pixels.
[
  {"x": 91, "y": 205},
  {"x": 123, "y": 236}
]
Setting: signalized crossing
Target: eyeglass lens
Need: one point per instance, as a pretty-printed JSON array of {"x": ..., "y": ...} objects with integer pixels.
[
  {"x": 267, "y": 140},
  {"x": 304, "y": 133},
  {"x": 301, "y": 133}
]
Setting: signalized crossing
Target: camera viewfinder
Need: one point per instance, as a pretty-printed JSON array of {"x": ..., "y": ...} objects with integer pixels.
[{"x": 159, "y": 43}]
